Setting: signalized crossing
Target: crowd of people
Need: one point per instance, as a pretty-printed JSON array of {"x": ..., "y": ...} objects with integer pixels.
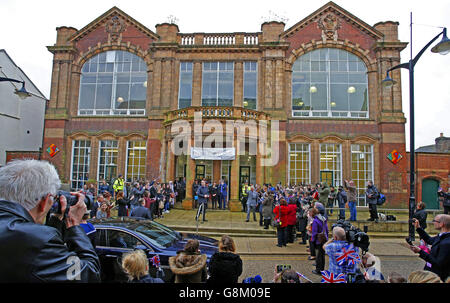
[{"x": 45, "y": 246}]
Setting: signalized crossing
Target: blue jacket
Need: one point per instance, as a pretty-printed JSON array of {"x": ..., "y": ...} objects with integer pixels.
[
  {"x": 223, "y": 189},
  {"x": 142, "y": 212},
  {"x": 252, "y": 199}
]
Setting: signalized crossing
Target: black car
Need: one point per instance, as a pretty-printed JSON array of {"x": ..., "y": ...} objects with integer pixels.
[{"x": 119, "y": 235}]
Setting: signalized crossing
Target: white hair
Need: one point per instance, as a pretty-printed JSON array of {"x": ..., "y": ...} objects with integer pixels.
[{"x": 28, "y": 181}]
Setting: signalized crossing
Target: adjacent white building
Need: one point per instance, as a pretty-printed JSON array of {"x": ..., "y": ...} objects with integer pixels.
[{"x": 21, "y": 121}]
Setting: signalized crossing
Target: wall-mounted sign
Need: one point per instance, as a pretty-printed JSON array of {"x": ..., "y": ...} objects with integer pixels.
[
  {"x": 394, "y": 156},
  {"x": 52, "y": 150}
]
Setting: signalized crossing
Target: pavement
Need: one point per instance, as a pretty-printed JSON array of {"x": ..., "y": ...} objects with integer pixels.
[{"x": 252, "y": 239}]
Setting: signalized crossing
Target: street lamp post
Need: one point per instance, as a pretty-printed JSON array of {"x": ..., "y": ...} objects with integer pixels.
[{"x": 443, "y": 48}]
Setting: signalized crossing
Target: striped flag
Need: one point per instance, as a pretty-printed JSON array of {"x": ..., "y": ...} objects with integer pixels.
[{"x": 329, "y": 277}]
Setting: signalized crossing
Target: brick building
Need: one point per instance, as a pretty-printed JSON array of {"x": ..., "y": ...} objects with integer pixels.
[
  {"x": 119, "y": 89},
  {"x": 432, "y": 171}
]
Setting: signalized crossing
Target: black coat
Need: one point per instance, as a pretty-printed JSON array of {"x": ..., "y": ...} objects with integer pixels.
[
  {"x": 33, "y": 252},
  {"x": 421, "y": 216},
  {"x": 122, "y": 209},
  {"x": 224, "y": 267},
  {"x": 439, "y": 257}
]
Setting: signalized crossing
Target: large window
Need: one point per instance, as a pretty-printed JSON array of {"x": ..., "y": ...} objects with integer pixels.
[
  {"x": 113, "y": 83},
  {"x": 329, "y": 82},
  {"x": 218, "y": 84},
  {"x": 136, "y": 156},
  {"x": 80, "y": 163},
  {"x": 299, "y": 163},
  {"x": 185, "y": 92},
  {"x": 331, "y": 164},
  {"x": 362, "y": 168},
  {"x": 107, "y": 159},
  {"x": 250, "y": 84}
]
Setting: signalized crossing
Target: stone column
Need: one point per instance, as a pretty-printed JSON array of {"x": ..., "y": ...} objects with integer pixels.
[
  {"x": 234, "y": 203},
  {"x": 190, "y": 175}
]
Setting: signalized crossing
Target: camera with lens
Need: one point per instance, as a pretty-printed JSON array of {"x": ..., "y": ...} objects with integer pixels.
[
  {"x": 71, "y": 200},
  {"x": 354, "y": 235}
]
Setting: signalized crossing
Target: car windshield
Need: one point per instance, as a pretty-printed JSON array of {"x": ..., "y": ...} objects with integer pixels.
[{"x": 156, "y": 234}]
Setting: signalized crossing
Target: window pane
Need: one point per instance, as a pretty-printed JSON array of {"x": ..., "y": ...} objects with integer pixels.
[
  {"x": 87, "y": 96},
  {"x": 103, "y": 96},
  {"x": 319, "y": 98},
  {"x": 209, "y": 89}
]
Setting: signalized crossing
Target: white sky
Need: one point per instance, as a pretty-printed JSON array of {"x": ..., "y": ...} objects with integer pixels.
[{"x": 28, "y": 26}]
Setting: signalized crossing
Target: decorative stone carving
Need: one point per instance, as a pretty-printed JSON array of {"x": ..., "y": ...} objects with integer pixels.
[
  {"x": 114, "y": 28},
  {"x": 329, "y": 24}
]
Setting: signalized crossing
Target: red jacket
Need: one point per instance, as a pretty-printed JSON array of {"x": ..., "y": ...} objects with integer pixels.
[
  {"x": 284, "y": 210},
  {"x": 292, "y": 214}
]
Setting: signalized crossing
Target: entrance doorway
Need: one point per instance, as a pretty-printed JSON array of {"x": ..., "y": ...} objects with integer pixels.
[
  {"x": 199, "y": 172},
  {"x": 429, "y": 193},
  {"x": 327, "y": 176}
]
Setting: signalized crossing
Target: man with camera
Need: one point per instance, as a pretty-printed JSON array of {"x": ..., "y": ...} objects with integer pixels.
[
  {"x": 445, "y": 200},
  {"x": 335, "y": 246},
  {"x": 34, "y": 252},
  {"x": 438, "y": 259}
]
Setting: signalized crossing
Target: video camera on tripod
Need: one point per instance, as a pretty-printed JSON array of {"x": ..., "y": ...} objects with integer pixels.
[{"x": 354, "y": 235}]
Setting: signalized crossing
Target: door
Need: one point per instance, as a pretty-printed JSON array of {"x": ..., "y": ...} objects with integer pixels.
[
  {"x": 429, "y": 193},
  {"x": 244, "y": 176},
  {"x": 327, "y": 176},
  {"x": 199, "y": 172}
]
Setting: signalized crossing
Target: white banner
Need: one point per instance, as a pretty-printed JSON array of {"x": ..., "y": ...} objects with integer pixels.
[{"x": 198, "y": 153}]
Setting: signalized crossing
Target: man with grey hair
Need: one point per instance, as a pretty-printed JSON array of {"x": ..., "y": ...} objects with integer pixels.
[
  {"x": 334, "y": 246},
  {"x": 34, "y": 252},
  {"x": 438, "y": 259}
]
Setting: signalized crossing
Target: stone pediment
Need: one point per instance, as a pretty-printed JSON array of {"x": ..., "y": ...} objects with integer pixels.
[
  {"x": 329, "y": 20},
  {"x": 114, "y": 22}
]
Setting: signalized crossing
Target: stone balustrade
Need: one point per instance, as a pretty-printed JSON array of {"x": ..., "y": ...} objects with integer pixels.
[
  {"x": 218, "y": 39},
  {"x": 216, "y": 112}
]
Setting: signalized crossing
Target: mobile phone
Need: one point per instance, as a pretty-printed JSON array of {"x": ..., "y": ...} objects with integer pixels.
[
  {"x": 408, "y": 240},
  {"x": 281, "y": 267}
]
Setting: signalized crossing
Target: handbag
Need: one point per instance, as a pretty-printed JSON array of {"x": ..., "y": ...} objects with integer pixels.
[
  {"x": 277, "y": 222},
  {"x": 321, "y": 237}
]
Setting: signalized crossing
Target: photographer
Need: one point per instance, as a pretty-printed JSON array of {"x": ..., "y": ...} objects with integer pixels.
[
  {"x": 446, "y": 200},
  {"x": 35, "y": 252},
  {"x": 334, "y": 246}
]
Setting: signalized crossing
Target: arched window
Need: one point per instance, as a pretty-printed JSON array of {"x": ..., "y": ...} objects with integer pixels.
[
  {"x": 113, "y": 83},
  {"x": 329, "y": 82}
]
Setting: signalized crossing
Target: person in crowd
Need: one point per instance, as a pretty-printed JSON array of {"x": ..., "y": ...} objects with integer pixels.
[
  {"x": 225, "y": 265},
  {"x": 372, "y": 267},
  {"x": 445, "y": 200},
  {"x": 331, "y": 199},
  {"x": 167, "y": 192},
  {"x": 89, "y": 228},
  {"x": 302, "y": 220},
  {"x": 267, "y": 209},
  {"x": 189, "y": 265},
  {"x": 395, "y": 277},
  {"x": 136, "y": 193},
  {"x": 291, "y": 220},
  {"x": 149, "y": 203},
  {"x": 341, "y": 197},
  {"x": 92, "y": 190},
  {"x": 223, "y": 194},
  {"x": 281, "y": 212},
  {"x": 102, "y": 212},
  {"x": 423, "y": 276},
  {"x": 103, "y": 187},
  {"x": 324, "y": 192},
  {"x": 334, "y": 246},
  {"x": 32, "y": 251},
  {"x": 319, "y": 226},
  {"x": 135, "y": 265},
  {"x": 371, "y": 198},
  {"x": 214, "y": 191},
  {"x": 123, "y": 204},
  {"x": 96, "y": 205},
  {"x": 244, "y": 190},
  {"x": 203, "y": 196},
  {"x": 351, "y": 198},
  {"x": 252, "y": 200},
  {"x": 421, "y": 215},
  {"x": 118, "y": 184},
  {"x": 286, "y": 276},
  {"x": 109, "y": 203},
  {"x": 438, "y": 259},
  {"x": 195, "y": 187},
  {"x": 312, "y": 250},
  {"x": 141, "y": 211}
]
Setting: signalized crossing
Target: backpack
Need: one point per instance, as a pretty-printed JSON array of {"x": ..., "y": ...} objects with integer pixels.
[{"x": 381, "y": 199}]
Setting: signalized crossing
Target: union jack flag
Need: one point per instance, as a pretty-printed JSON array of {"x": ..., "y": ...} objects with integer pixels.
[
  {"x": 329, "y": 277},
  {"x": 348, "y": 255},
  {"x": 155, "y": 261}
]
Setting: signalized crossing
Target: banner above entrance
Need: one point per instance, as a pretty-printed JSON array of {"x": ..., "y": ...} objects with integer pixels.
[{"x": 198, "y": 153}]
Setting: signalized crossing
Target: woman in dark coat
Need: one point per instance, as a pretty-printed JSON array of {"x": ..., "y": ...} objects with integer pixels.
[
  {"x": 122, "y": 203},
  {"x": 225, "y": 265},
  {"x": 421, "y": 215},
  {"x": 267, "y": 207}
]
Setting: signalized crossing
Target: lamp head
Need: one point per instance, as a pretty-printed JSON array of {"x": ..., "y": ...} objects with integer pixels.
[
  {"x": 388, "y": 81},
  {"x": 442, "y": 47},
  {"x": 22, "y": 92}
]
